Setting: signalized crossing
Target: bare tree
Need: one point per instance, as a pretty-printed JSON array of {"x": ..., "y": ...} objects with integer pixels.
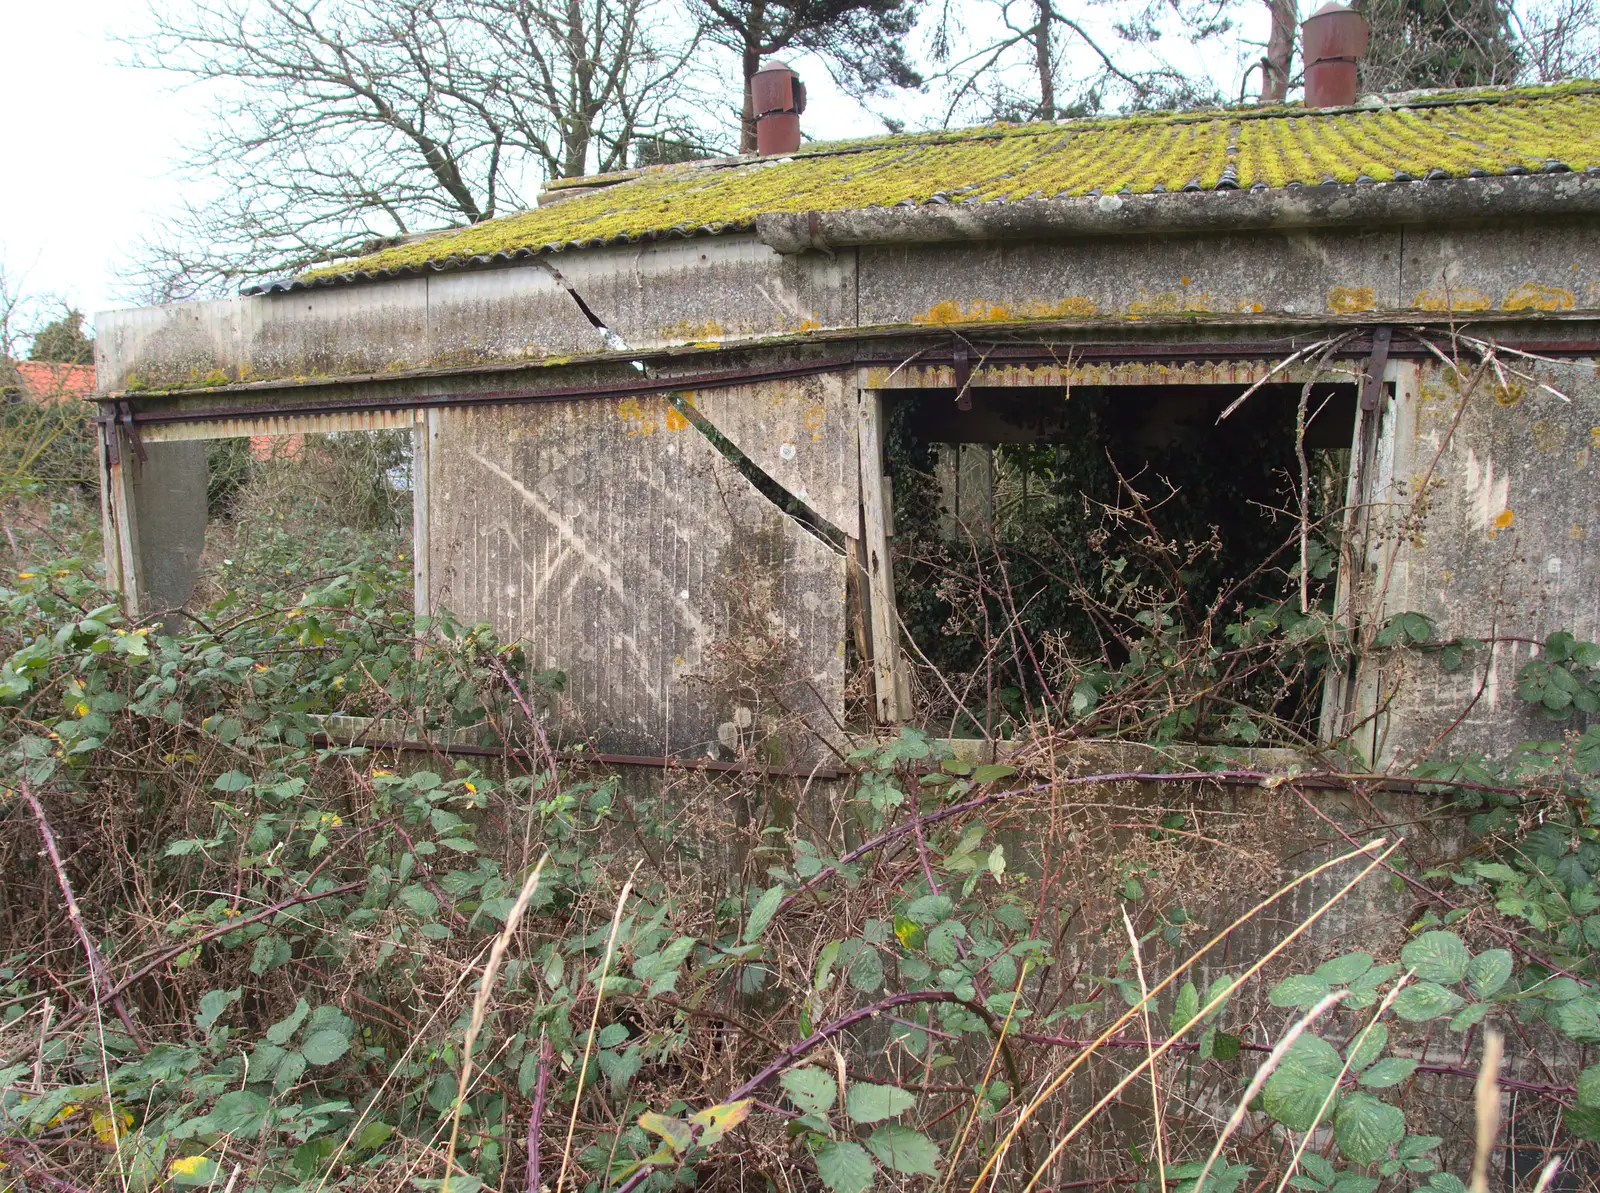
[
  {"x": 1559, "y": 39},
  {"x": 1040, "y": 60},
  {"x": 336, "y": 122},
  {"x": 862, "y": 42},
  {"x": 1283, "y": 18}
]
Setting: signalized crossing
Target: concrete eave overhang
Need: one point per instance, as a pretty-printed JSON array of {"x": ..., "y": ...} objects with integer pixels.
[
  {"x": 1421, "y": 201},
  {"x": 1437, "y": 201}
]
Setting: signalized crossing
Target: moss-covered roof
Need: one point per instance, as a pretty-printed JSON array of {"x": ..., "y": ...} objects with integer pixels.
[{"x": 1438, "y": 135}]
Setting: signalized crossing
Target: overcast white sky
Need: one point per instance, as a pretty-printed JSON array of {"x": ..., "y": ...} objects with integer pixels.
[{"x": 92, "y": 143}]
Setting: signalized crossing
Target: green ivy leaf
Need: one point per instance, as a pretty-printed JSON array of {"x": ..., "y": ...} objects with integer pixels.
[
  {"x": 930, "y": 909},
  {"x": 1579, "y": 1019},
  {"x": 212, "y": 1004},
  {"x": 1589, "y": 1086},
  {"x": 901, "y": 1149},
  {"x": 325, "y": 1047},
  {"x": 865, "y": 1102},
  {"x": 1583, "y": 1122},
  {"x": 1298, "y": 990},
  {"x": 420, "y": 900},
  {"x": 290, "y": 1069},
  {"x": 761, "y": 914},
  {"x": 1295, "y": 1092},
  {"x": 1365, "y": 1128},
  {"x": 844, "y": 1166},
  {"x": 1341, "y": 971},
  {"x": 1369, "y": 1046},
  {"x": 1186, "y": 1007},
  {"x": 241, "y": 1113}
]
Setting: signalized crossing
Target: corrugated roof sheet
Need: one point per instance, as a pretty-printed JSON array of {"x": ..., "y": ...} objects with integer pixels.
[{"x": 1427, "y": 136}]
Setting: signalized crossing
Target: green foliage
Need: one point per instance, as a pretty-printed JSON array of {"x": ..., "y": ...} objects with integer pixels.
[{"x": 63, "y": 341}]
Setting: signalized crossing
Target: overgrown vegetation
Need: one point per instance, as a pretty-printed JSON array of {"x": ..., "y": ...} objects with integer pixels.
[{"x": 246, "y": 948}]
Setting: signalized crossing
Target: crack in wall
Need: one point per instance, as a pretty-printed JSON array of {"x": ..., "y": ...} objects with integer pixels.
[
  {"x": 763, "y": 481},
  {"x": 612, "y": 340}
]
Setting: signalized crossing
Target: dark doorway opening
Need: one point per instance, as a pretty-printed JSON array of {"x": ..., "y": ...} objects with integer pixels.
[{"x": 1059, "y": 553}]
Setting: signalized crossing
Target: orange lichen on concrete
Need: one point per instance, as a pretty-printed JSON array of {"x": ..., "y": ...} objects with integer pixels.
[
  {"x": 1451, "y": 300},
  {"x": 1534, "y": 296},
  {"x": 1352, "y": 300},
  {"x": 1502, "y": 521},
  {"x": 1170, "y": 302},
  {"x": 710, "y": 330},
  {"x": 1074, "y": 306}
]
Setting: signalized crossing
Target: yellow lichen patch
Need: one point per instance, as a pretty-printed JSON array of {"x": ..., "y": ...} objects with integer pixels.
[
  {"x": 710, "y": 330},
  {"x": 810, "y": 323},
  {"x": 1458, "y": 132},
  {"x": 1510, "y": 393},
  {"x": 677, "y": 421},
  {"x": 1466, "y": 299},
  {"x": 1352, "y": 300},
  {"x": 1074, "y": 306},
  {"x": 640, "y": 416},
  {"x": 1533, "y": 296},
  {"x": 1170, "y": 302},
  {"x": 1547, "y": 435},
  {"x": 1502, "y": 521}
]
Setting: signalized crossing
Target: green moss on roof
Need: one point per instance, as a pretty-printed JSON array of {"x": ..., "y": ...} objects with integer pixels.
[{"x": 1495, "y": 132}]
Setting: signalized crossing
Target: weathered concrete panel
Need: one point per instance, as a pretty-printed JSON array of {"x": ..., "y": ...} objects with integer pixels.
[
  {"x": 624, "y": 550},
  {"x": 181, "y": 343},
  {"x": 169, "y": 519},
  {"x": 1296, "y": 273},
  {"x": 503, "y": 315},
  {"x": 356, "y": 329},
  {"x": 1543, "y": 268},
  {"x": 727, "y": 288},
  {"x": 802, "y": 433},
  {"x": 1492, "y": 533}
]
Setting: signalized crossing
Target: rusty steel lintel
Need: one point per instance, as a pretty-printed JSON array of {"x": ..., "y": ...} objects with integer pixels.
[
  {"x": 1372, "y": 384},
  {"x": 993, "y": 353},
  {"x": 574, "y": 757},
  {"x": 961, "y": 366}
]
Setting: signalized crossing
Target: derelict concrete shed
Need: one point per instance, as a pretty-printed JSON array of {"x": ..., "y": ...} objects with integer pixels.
[{"x": 593, "y": 384}]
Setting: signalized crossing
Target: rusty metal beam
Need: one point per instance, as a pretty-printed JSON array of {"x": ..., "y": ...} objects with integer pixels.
[
  {"x": 994, "y": 353},
  {"x": 578, "y": 757}
]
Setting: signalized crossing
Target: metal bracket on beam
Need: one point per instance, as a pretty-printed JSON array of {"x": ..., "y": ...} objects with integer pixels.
[
  {"x": 124, "y": 416},
  {"x": 963, "y": 376},
  {"x": 1372, "y": 384}
]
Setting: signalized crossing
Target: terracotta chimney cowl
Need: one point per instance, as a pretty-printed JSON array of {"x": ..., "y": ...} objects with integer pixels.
[
  {"x": 1332, "y": 41},
  {"x": 777, "y": 96}
]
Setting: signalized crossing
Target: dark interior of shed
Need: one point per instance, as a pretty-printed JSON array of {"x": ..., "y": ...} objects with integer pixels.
[{"x": 1050, "y": 543}]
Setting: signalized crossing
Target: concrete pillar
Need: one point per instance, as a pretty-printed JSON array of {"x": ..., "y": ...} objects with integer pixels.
[{"x": 159, "y": 507}]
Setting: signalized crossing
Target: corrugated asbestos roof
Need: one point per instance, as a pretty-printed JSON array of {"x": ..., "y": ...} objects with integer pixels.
[{"x": 1421, "y": 137}]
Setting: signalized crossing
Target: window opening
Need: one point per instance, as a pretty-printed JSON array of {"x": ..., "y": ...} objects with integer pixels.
[
  {"x": 288, "y": 512},
  {"x": 1114, "y": 560}
]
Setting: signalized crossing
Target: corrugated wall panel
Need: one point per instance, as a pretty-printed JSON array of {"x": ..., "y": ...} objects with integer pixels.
[{"x": 623, "y": 550}]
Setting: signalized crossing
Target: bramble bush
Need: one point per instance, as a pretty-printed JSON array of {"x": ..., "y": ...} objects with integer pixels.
[{"x": 886, "y": 985}]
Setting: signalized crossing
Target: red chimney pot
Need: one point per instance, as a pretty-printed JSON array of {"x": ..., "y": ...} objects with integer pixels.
[
  {"x": 777, "y": 96},
  {"x": 1332, "y": 39}
]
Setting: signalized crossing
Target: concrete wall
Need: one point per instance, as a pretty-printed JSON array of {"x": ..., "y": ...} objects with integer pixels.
[
  {"x": 690, "y": 615},
  {"x": 581, "y": 525},
  {"x": 1490, "y": 527},
  {"x": 652, "y": 296}
]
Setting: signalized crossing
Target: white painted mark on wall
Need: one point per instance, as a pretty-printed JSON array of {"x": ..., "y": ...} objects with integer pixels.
[{"x": 1487, "y": 498}]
